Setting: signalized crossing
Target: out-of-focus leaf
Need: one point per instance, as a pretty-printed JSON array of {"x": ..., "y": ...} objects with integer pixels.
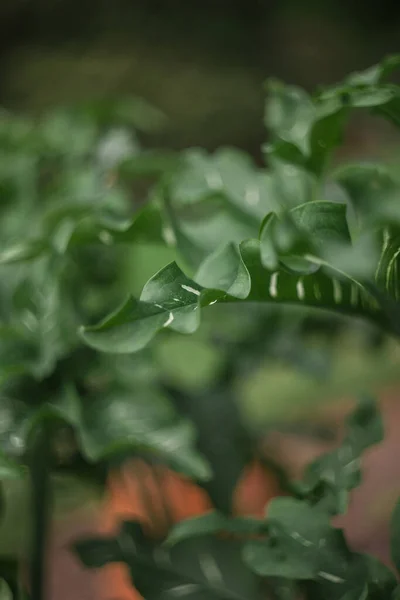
[
  {"x": 206, "y": 567},
  {"x": 212, "y": 199},
  {"x": 149, "y": 163},
  {"x": 329, "y": 479},
  {"x": 135, "y": 112},
  {"x": 289, "y": 114},
  {"x": 23, "y": 251},
  {"x": 300, "y": 544},
  {"x": 114, "y": 423},
  {"x": 377, "y": 73},
  {"x": 5, "y": 591},
  {"x": 373, "y": 191},
  {"x": 59, "y": 133},
  {"x": 9, "y": 469},
  {"x": 145, "y": 226},
  {"x": 304, "y": 134},
  {"x": 66, "y": 229},
  {"x": 117, "y": 423},
  {"x": 306, "y": 130},
  {"x": 309, "y": 228},
  {"x": 222, "y": 439},
  {"x": 292, "y": 185},
  {"x": 395, "y": 536},
  {"x": 214, "y": 522}
]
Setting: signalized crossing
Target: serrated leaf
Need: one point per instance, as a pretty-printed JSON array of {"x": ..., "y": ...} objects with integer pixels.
[
  {"x": 172, "y": 300},
  {"x": 206, "y": 568},
  {"x": 169, "y": 299}
]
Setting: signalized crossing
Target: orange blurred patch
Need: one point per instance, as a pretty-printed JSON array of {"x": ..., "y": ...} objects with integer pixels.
[{"x": 160, "y": 498}]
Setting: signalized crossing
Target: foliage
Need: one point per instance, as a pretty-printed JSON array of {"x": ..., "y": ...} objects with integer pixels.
[{"x": 72, "y": 210}]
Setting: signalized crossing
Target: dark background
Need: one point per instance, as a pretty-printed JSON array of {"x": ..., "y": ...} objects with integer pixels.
[{"x": 202, "y": 61}]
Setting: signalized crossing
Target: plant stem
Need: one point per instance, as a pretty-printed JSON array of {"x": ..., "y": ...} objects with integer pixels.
[{"x": 39, "y": 469}]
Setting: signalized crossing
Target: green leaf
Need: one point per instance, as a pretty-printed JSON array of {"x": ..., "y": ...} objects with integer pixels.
[
  {"x": 377, "y": 73},
  {"x": 387, "y": 272},
  {"x": 122, "y": 421},
  {"x": 75, "y": 226},
  {"x": 381, "y": 580},
  {"x": 61, "y": 133},
  {"x": 134, "y": 111},
  {"x": 306, "y": 130},
  {"x": 225, "y": 270},
  {"x": 113, "y": 422},
  {"x": 212, "y": 199},
  {"x": 145, "y": 226},
  {"x": 373, "y": 191},
  {"x": 289, "y": 114},
  {"x": 324, "y": 222},
  {"x": 149, "y": 163},
  {"x": 228, "y": 172},
  {"x": 395, "y": 536},
  {"x": 310, "y": 228},
  {"x": 9, "y": 469},
  {"x": 300, "y": 544},
  {"x": 291, "y": 184},
  {"x": 214, "y": 522},
  {"x": 206, "y": 567},
  {"x": 329, "y": 479},
  {"x": 23, "y": 251},
  {"x": 304, "y": 133},
  {"x": 5, "y": 591},
  {"x": 172, "y": 300},
  {"x": 396, "y": 593},
  {"x": 169, "y": 299}
]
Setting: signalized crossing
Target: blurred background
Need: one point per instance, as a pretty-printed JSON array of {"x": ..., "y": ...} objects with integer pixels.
[{"x": 203, "y": 63}]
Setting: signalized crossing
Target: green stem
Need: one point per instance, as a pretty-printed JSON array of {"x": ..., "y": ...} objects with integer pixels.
[{"x": 39, "y": 469}]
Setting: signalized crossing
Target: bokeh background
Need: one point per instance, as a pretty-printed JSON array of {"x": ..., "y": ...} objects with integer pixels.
[{"x": 203, "y": 63}]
